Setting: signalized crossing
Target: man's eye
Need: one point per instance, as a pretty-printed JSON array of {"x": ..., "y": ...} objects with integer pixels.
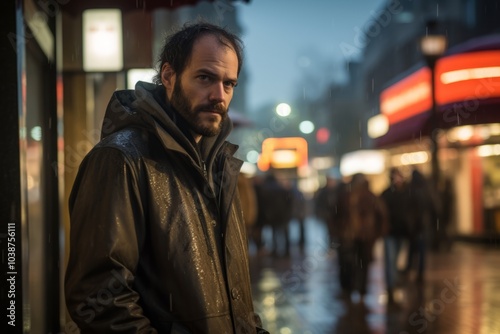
[
  {"x": 204, "y": 77},
  {"x": 230, "y": 84}
]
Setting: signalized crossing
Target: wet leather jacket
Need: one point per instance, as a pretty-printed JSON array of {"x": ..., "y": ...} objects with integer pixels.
[{"x": 157, "y": 241}]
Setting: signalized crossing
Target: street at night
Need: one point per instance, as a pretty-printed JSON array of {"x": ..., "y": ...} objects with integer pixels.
[{"x": 300, "y": 293}]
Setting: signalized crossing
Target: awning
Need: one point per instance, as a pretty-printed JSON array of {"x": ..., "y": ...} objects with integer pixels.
[
  {"x": 410, "y": 129},
  {"x": 470, "y": 112},
  {"x": 467, "y": 93}
]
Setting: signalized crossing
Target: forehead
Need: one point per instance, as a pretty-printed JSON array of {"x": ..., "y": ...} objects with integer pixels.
[{"x": 208, "y": 50}]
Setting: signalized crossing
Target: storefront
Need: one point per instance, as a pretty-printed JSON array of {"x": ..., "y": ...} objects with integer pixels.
[
  {"x": 467, "y": 121},
  {"x": 50, "y": 114}
]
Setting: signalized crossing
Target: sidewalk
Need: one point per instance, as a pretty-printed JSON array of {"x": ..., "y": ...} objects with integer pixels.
[{"x": 299, "y": 294}]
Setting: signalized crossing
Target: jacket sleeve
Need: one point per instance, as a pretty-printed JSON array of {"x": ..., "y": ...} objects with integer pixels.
[{"x": 107, "y": 222}]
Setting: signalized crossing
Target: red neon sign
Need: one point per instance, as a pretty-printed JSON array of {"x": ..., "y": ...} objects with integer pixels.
[
  {"x": 468, "y": 76},
  {"x": 408, "y": 97},
  {"x": 462, "y": 77}
]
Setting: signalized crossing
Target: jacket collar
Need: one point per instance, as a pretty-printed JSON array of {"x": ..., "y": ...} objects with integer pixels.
[{"x": 146, "y": 107}]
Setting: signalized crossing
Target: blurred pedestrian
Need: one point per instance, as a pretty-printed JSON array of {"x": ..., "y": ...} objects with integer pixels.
[
  {"x": 361, "y": 219},
  {"x": 258, "y": 226},
  {"x": 424, "y": 216},
  {"x": 398, "y": 203},
  {"x": 299, "y": 207},
  {"x": 248, "y": 200},
  {"x": 443, "y": 240},
  {"x": 325, "y": 202},
  {"x": 260, "y": 219},
  {"x": 275, "y": 202}
]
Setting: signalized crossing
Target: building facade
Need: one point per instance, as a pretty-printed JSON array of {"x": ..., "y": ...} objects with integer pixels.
[
  {"x": 52, "y": 115},
  {"x": 456, "y": 104}
]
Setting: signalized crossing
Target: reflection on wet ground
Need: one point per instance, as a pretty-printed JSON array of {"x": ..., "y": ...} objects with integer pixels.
[{"x": 301, "y": 293}]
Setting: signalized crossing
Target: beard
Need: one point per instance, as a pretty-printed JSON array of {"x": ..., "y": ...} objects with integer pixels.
[{"x": 193, "y": 115}]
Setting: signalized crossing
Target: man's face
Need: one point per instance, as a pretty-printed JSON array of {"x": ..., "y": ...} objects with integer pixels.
[{"x": 202, "y": 93}]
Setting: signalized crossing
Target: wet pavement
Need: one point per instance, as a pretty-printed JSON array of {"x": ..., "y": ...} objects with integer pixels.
[{"x": 300, "y": 293}]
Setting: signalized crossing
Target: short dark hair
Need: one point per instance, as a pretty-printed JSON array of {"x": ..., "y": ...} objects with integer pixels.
[{"x": 178, "y": 46}]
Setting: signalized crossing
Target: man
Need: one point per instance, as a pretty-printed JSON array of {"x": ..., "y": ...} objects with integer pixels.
[
  {"x": 158, "y": 242},
  {"x": 399, "y": 205},
  {"x": 424, "y": 217},
  {"x": 362, "y": 219},
  {"x": 275, "y": 210},
  {"x": 325, "y": 201}
]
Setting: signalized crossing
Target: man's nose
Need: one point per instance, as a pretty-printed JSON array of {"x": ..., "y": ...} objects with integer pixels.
[{"x": 217, "y": 93}]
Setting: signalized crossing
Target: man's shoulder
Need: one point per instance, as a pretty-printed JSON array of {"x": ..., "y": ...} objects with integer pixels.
[{"x": 131, "y": 141}]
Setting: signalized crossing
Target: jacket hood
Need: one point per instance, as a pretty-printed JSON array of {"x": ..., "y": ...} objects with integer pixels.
[{"x": 146, "y": 107}]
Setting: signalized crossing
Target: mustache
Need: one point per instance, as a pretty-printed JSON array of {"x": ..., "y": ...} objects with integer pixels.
[{"x": 218, "y": 108}]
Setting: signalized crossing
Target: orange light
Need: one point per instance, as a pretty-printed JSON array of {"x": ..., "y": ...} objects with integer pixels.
[
  {"x": 408, "y": 97},
  {"x": 285, "y": 159},
  {"x": 468, "y": 76},
  {"x": 288, "y": 152}
]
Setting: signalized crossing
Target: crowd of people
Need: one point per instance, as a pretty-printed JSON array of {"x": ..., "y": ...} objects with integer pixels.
[
  {"x": 278, "y": 202},
  {"x": 409, "y": 216}
]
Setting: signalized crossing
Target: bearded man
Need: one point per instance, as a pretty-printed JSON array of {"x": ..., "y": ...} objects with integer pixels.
[{"x": 158, "y": 241}]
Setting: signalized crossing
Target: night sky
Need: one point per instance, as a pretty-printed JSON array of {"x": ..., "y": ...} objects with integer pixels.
[{"x": 287, "y": 40}]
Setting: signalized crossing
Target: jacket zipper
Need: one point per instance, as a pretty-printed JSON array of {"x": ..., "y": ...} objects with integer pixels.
[{"x": 205, "y": 174}]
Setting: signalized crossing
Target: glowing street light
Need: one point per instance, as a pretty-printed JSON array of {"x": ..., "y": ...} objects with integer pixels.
[
  {"x": 433, "y": 46},
  {"x": 283, "y": 109},
  {"x": 306, "y": 127}
]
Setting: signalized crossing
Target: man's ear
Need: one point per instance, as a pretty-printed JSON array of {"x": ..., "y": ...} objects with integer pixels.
[{"x": 167, "y": 77}]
